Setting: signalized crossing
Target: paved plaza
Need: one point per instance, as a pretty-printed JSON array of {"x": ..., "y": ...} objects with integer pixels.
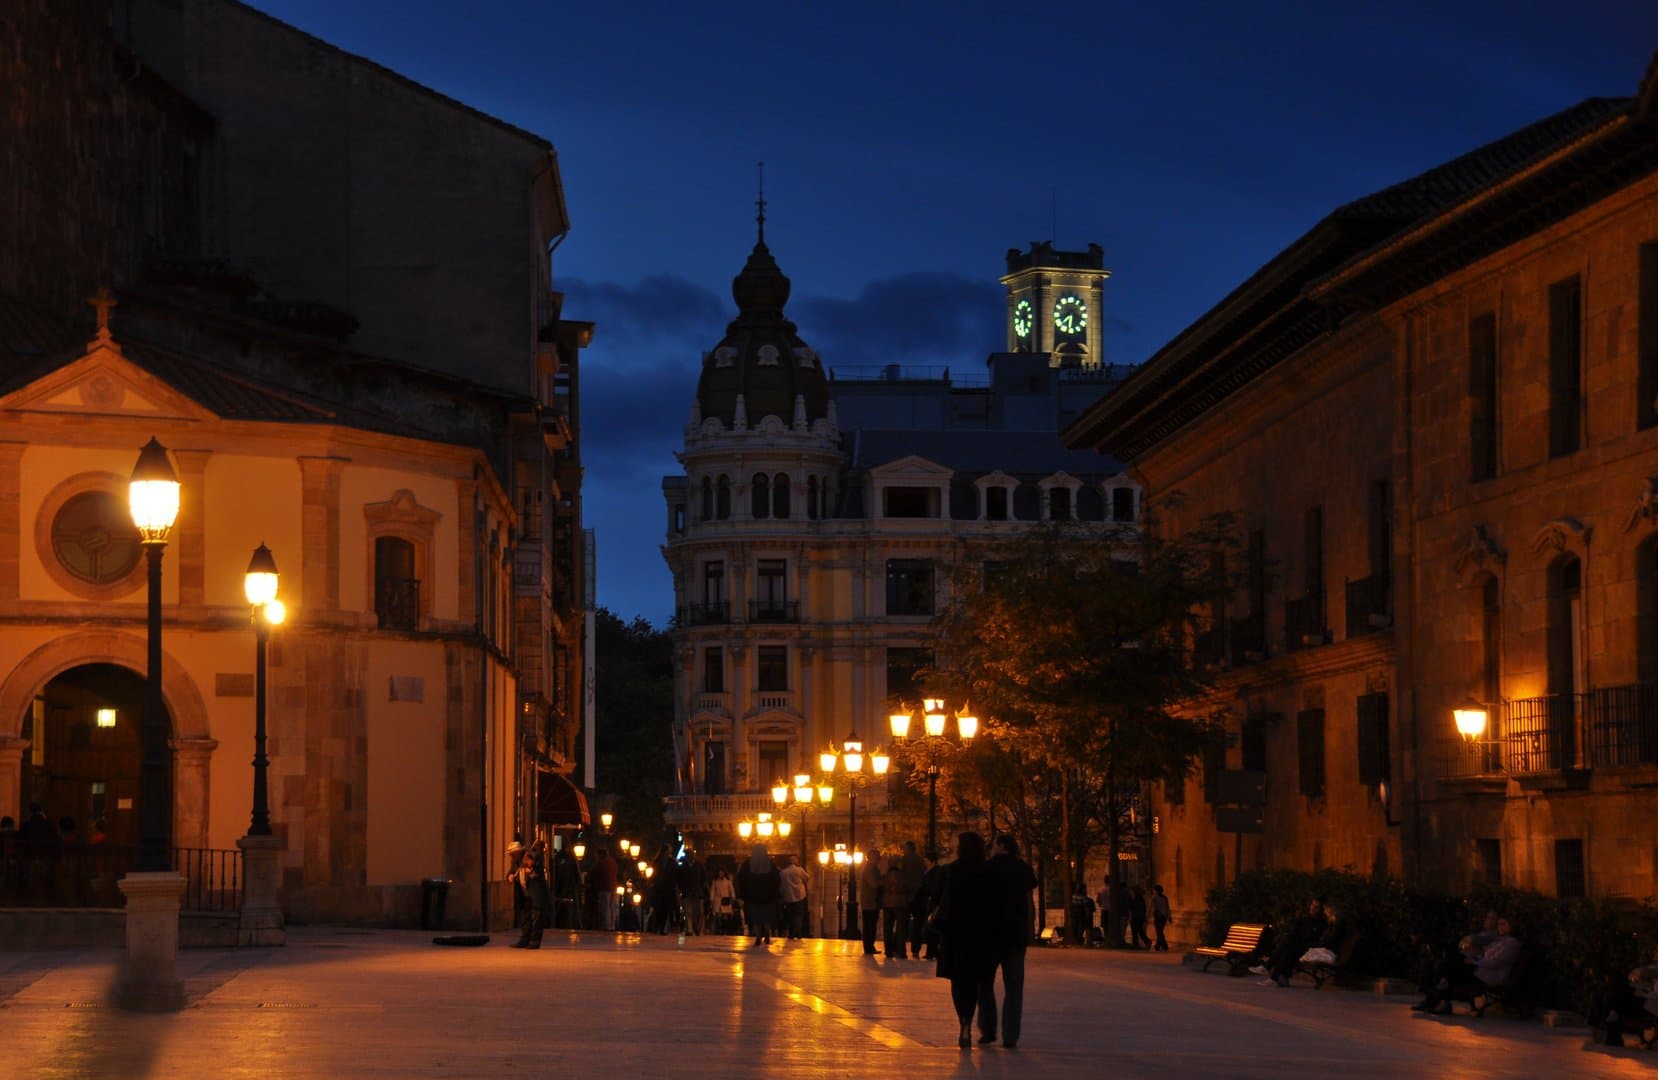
[{"x": 348, "y": 1002}]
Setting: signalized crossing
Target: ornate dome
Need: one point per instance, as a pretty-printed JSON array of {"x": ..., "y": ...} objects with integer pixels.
[{"x": 761, "y": 359}]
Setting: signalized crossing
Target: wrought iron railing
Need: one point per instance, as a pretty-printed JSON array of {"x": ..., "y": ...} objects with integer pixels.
[
  {"x": 774, "y": 611},
  {"x": 1622, "y": 725},
  {"x": 87, "y": 876},
  {"x": 1369, "y": 604},
  {"x": 1540, "y": 733},
  {"x": 397, "y": 602},
  {"x": 706, "y": 614},
  {"x": 1460, "y": 759}
]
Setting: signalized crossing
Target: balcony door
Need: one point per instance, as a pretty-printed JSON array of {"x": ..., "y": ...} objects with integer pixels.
[{"x": 1565, "y": 660}]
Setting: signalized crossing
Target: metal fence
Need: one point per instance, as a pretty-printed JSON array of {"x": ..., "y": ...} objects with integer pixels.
[
  {"x": 87, "y": 876},
  {"x": 1608, "y": 727}
]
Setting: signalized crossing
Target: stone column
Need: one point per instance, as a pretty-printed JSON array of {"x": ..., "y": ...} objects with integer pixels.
[
  {"x": 191, "y": 769},
  {"x": 11, "y": 776},
  {"x": 149, "y": 979},
  {"x": 261, "y": 920},
  {"x": 320, "y": 538}
]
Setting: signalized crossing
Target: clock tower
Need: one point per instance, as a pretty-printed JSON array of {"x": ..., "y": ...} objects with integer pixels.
[{"x": 1055, "y": 303}]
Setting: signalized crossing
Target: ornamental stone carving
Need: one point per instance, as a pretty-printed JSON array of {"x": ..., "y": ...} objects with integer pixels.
[
  {"x": 1563, "y": 534},
  {"x": 1479, "y": 555}
]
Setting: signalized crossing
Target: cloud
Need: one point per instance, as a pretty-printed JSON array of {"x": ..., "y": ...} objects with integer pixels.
[
  {"x": 920, "y": 318},
  {"x": 656, "y": 307}
]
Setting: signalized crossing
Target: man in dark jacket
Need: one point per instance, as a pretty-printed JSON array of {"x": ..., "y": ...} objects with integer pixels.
[
  {"x": 921, "y": 907},
  {"x": 1013, "y": 881}
]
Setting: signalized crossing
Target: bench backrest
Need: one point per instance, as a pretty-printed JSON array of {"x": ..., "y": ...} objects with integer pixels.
[{"x": 1243, "y": 937}]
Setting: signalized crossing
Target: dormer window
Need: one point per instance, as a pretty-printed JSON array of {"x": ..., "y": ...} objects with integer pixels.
[
  {"x": 1059, "y": 497},
  {"x": 1059, "y": 504},
  {"x": 910, "y": 502},
  {"x": 996, "y": 504},
  {"x": 1122, "y": 504}
]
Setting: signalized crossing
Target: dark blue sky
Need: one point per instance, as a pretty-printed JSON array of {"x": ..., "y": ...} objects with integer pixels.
[{"x": 908, "y": 145}]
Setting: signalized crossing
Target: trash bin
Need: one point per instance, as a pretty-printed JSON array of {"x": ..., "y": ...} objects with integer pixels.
[{"x": 434, "y": 896}]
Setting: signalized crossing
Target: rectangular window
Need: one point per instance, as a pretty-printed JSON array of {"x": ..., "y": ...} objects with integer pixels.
[
  {"x": 911, "y": 502},
  {"x": 1483, "y": 416},
  {"x": 1488, "y": 859},
  {"x": 1309, "y": 725},
  {"x": 1254, "y": 742},
  {"x": 1569, "y": 878},
  {"x": 713, "y": 768},
  {"x": 1375, "y": 760},
  {"x": 773, "y": 761},
  {"x": 1313, "y": 555},
  {"x": 1059, "y": 504},
  {"x": 1122, "y": 504},
  {"x": 1214, "y": 763},
  {"x": 713, "y": 670},
  {"x": 1381, "y": 528},
  {"x": 995, "y": 504},
  {"x": 1565, "y": 367},
  {"x": 909, "y": 587},
  {"x": 1256, "y": 571},
  {"x": 713, "y": 584},
  {"x": 770, "y": 589},
  {"x": 772, "y": 667},
  {"x": 1646, "y": 381},
  {"x": 1174, "y": 791},
  {"x": 903, "y": 665}
]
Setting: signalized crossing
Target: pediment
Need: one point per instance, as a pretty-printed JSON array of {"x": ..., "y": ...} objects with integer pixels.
[
  {"x": 912, "y": 466},
  {"x": 104, "y": 383}
]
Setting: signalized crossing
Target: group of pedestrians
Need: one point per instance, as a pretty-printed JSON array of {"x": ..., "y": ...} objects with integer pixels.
[
  {"x": 893, "y": 900},
  {"x": 1133, "y": 906}
]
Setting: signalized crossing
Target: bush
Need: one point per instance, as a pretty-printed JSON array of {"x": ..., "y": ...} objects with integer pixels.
[{"x": 1571, "y": 945}]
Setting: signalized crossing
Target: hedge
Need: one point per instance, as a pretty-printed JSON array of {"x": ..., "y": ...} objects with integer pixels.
[{"x": 1572, "y": 945}]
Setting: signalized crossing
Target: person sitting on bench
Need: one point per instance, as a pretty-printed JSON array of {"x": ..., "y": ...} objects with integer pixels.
[
  {"x": 1326, "y": 950},
  {"x": 1495, "y": 964},
  {"x": 1298, "y": 937}
]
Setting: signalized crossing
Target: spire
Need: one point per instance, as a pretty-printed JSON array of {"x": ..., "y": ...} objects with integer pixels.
[{"x": 760, "y": 218}]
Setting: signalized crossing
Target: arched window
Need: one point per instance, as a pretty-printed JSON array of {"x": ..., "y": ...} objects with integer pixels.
[
  {"x": 1565, "y": 652},
  {"x": 707, "y": 498},
  {"x": 722, "y": 498},
  {"x": 1491, "y": 640},
  {"x": 780, "y": 496},
  {"x": 760, "y": 496},
  {"x": 811, "y": 497}
]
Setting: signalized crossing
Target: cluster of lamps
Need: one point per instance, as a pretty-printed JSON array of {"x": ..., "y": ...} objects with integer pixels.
[
  {"x": 935, "y": 723},
  {"x": 764, "y": 827}
]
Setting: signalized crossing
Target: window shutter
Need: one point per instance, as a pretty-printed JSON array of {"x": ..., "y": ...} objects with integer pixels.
[
  {"x": 1310, "y": 740},
  {"x": 1254, "y": 742},
  {"x": 1374, "y": 759},
  {"x": 1214, "y": 763}
]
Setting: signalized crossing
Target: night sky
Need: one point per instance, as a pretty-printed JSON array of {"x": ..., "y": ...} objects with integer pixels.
[{"x": 908, "y": 145}]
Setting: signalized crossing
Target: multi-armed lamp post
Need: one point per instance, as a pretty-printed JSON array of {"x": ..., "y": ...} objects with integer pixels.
[
  {"x": 856, "y": 769},
  {"x": 801, "y": 797},
  {"x": 930, "y": 747}
]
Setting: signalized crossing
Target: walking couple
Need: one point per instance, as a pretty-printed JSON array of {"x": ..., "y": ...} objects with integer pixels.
[{"x": 984, "y": 920}]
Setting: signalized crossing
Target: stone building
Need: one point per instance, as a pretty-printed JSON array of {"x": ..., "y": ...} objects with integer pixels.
[
  {"x": 812, "y": 536},
  {"x": 1434, "y": 415},
  {"x": 331, "y": 299}
]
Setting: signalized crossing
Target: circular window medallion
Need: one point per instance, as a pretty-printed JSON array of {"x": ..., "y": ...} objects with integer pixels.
[{"x": 94, "y": 538}]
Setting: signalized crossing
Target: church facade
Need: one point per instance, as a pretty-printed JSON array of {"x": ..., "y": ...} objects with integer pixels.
[
  {"x": 391, "y": 408},
  {"x": 815, "y": 530}
]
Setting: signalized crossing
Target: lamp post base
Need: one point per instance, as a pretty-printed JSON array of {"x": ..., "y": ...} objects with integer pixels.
[
  {"x": 261, "y": 920},
  {"x": 149, "y": 979}
]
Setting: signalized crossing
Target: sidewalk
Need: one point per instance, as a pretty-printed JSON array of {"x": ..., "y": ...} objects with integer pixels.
[{"x": 387, "y": 1003}]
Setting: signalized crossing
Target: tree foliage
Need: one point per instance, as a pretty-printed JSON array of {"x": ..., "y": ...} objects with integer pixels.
[{"x": 634, "y": 711}]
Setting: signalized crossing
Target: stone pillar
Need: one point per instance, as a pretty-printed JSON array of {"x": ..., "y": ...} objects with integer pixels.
[
  {"x": 149, "y": 979},
  {"x": 11, "y": 519},
  {"x": 190, "y": 531},
  {"x": 261, "y": 922},
  {"x": 192, "y": 759},
  {"x": 11, "y": 776},
  {"x": 320, "y": 538}
]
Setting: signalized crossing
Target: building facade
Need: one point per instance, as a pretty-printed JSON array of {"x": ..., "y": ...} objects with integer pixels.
[
  {"x": 1434, "y": 417},
  {"x": 812, "y": 538},
  {"x": 347, "y": 335}
]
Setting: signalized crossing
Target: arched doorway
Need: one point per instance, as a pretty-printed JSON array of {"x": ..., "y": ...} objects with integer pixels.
[{"x": 84, "y": 751}]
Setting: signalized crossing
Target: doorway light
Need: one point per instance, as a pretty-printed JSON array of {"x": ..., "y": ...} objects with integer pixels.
[{"x": 106, "y": 718}]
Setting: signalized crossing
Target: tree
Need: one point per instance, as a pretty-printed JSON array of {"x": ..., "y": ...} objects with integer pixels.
[
  {"x": 634, "y": 671},
  {"x": 1077, "y": 657}
]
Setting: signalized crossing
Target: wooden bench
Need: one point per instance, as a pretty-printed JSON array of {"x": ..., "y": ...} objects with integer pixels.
[
  {"x": 1516, "y": 995},
  {"x": 1323, "y": 973},
  {"x": 1242, "y": 945}
]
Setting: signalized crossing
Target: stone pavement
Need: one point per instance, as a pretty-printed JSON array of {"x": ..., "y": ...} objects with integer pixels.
[{"x": 346, "y": 1002}]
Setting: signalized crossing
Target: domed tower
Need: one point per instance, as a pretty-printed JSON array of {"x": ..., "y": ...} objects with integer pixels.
[{"x": 746, "y": 522}]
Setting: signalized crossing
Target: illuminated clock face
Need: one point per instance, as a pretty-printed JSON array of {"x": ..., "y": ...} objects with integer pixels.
[
  {"x": 1071, "y": 314},
  {"x": 1022, "y": 319}
]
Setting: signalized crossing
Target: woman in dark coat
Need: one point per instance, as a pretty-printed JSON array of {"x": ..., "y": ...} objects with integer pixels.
[
  {"x": 966, "y": 921},
  {"x": 758, "y": 885}
]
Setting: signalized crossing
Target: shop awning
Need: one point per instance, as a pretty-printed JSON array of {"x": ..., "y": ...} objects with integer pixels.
[{"x": 562, "y": 802}]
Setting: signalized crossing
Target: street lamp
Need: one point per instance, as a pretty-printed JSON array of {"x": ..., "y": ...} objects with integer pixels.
[
  {"x": 605, "y": 819},
  {"x": 851, "y": 762},
  {"x": 152, "y": 496},
  {"x": 936, "y": 743},
  {"x": 801, "y": 796},
  {"x": 1471, "y": 718},
  {"x": 259, "y": 586}
]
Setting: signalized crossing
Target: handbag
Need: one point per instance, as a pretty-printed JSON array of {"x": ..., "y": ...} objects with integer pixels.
[{"x": 1318, "y": 956}]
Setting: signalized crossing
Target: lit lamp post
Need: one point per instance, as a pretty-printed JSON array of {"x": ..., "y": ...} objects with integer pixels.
[
  {"x": 1472, "y": 720},
  {"x": 149, "y": 979},
  {"x": 801, "y": 797},
  {"x": 930, "y": 747},
  {"x": 261, "y": 917},
  {"x": 857, "y": 769}
]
